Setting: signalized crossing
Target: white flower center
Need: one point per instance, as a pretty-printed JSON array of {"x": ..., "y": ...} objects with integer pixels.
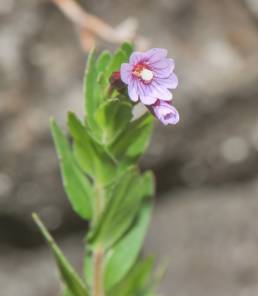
[{"x": 146, "y": 75}]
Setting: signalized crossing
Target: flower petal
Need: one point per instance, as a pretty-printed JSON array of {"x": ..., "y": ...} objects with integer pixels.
[
  {"x": 133, "y": 90},
  {"x": 166, "y": 95},
  {"x": 161, "y": 92},
  {"x": 169, "y": 82},
  {"x": 163, "y": 64},
  {"x": 136, "y": 57},
  {"x": 163, "y": 79},
  {"x": 126, "y": 72},
  {"x": 163, "y": 68},
  {"x": 146, "y": 93},
  {"x": 148, "y": 100},
  {"x": 155, "y": 54}
]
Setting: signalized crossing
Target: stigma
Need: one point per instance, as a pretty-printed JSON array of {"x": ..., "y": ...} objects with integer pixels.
[{"x": 146, "y": 75}]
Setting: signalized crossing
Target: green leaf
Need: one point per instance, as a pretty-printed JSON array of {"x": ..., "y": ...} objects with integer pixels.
[
  {"x": 76, "y": 185},
  {"x": 88, "y": 268},
  {"x": 132, "y": 143},
  {"x": 120, "y": 211},
  {"x": 71, "y": 279},
  {"x": 103, "y": 60},
  {"x": 66, "y": 292},
  {"x": 115, "y": 63},
  {"x": 91, "y": 156},
  {"x": 148, "y": 184},
  {"x": 137, "y": 282},
  {"x": 102, "y": 78},
  {"x": 127, "y": 48},
  {"x": 83, "y": 147},
  {"x": 123, "y": 255},
  {"x": 113, "y": 117},
  {"x": 140, "y": 130},
  {"x": 91, "y": 91}
]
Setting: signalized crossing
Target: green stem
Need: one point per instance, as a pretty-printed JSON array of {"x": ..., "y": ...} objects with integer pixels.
[
  {"x": 99, "y": 202},
  {"x": 99, "y": 252}
]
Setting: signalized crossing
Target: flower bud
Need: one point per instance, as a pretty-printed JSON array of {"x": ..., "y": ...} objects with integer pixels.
[{"x": 164, "y": 112}]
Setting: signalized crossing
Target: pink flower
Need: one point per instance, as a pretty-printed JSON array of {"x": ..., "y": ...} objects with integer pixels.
[
  {"x": 149, "y": 75},
  {"x": 164, "y": 112}
]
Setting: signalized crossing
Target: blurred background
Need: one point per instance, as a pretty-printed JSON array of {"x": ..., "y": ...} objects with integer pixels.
[{"x": 205, "y": 221}]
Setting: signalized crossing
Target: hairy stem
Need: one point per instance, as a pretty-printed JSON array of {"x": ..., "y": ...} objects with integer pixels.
[{"x": 98, "y": 260}]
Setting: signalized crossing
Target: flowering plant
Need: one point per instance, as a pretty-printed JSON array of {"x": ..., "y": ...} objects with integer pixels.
[{"x": 100, "y": 173}]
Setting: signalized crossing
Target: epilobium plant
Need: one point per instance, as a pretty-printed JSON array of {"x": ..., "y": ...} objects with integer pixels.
[{"x": 100, "y": 170}]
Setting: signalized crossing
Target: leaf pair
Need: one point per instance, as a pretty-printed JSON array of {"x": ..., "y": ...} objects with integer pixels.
[
  {"x": 90, "y": 155},
  {"x": 113, "y": 117},
  {"x": 123, "y": 204},
  {"x": 93, "y": 159},
  {"x": 115, "y": 231},
  {"x": 123, "y": 255}
]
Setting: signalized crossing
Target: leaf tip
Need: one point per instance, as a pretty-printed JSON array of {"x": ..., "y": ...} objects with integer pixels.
[
  {"x": 52, "y": 121},
  {"x": 70, "y": 116},
  {"x": 34, "y": 216}
]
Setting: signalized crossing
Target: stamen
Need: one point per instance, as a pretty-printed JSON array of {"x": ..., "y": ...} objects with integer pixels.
[{"x": 141, "y": 71}]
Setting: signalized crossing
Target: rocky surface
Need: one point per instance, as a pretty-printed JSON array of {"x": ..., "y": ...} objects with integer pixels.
[
  {"x": 206, "y": 237},
  {"x": 209, "y": 161}
]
